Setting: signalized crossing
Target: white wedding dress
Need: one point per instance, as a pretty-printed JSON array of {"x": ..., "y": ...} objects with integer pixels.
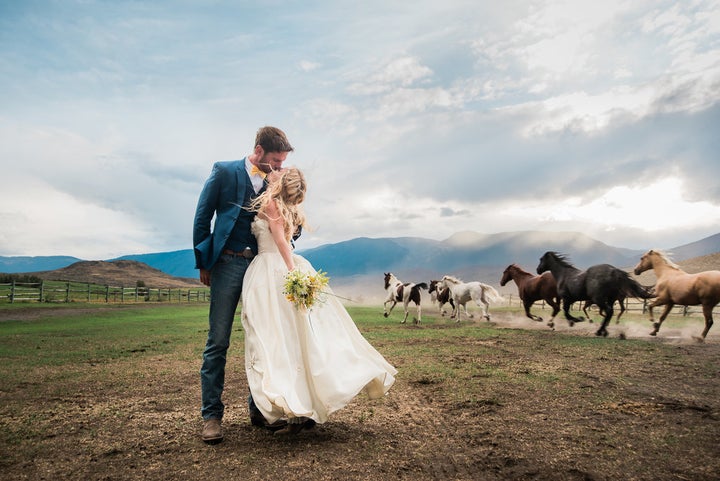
[{"x": 302, "y": 364}]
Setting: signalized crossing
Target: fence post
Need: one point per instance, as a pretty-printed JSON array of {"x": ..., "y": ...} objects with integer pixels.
[
  {"x": 67, "y": 292},
  {"x": 12, "y": 292},
  {"x": 42, "y": 290}
]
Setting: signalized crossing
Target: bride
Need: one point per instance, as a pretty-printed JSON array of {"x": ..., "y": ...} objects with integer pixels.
[{"x": 301, "y": 364}]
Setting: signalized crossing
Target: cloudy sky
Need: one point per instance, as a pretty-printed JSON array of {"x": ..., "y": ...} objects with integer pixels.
[{"x": 419, "y": 118}]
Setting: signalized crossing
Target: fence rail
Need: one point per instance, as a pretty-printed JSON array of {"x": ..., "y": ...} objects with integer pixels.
[{"x": 54, "y": 291}]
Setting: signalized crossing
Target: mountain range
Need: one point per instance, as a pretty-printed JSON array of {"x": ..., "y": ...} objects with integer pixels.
[{"x": 467, "y": 255}]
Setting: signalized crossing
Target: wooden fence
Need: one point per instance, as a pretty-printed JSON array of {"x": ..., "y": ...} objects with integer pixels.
[{"x": 54, "y": 291}]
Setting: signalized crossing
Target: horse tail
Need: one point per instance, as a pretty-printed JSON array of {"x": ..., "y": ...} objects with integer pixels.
[
  {"x": 633, "y": 288},
  {"x": 493, "y": 295},
  {"x": 415, "y": 292}
]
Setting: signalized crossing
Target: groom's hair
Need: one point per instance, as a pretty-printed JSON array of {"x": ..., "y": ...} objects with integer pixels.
[{"x": 272, "y": 139}]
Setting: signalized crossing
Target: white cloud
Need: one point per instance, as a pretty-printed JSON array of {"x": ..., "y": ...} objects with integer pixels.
[{"x": 38, "y": 220}]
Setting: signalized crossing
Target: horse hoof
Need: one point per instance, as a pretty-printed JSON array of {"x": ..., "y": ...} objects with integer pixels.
[
  {"x": 551, "y": 325},
  {"x": 385, "y": 314},
  {"x": 654, "y": 333},
  {"x": 571, "y": 323}
]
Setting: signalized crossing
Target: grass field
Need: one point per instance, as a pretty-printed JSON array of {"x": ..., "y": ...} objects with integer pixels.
[{"x": 112, "y": 392}]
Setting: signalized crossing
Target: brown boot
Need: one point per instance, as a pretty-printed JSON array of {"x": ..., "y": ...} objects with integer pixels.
[{"x": 212, "y": 431}]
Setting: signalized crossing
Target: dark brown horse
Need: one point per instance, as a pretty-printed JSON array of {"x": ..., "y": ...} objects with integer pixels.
[
  {"x": 441, "y": 295},
  {"x": 533, "y": 288},
  {"x": 600, "y": 284}
]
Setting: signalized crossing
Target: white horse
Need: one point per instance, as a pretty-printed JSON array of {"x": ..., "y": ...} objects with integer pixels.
[
  {"x": 462, "y": 292},
  {"x": 399, "y": 292}
]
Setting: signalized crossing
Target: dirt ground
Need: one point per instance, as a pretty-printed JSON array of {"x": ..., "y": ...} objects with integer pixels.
[{"x": 633, "y": 411}]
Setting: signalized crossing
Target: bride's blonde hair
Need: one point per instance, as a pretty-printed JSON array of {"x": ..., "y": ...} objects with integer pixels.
[{"x": 288, "y": 192}]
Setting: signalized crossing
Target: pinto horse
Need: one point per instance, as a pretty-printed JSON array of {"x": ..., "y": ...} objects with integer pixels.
[
  {"x": 441, "y": 295},
  {"x": 397, "y": 291},
  {"x": 600, "y": 284},
  {"x": 533, "y": 288},
  {"x": 462, "y": 292},
  {"x": 675, "y": 286}
]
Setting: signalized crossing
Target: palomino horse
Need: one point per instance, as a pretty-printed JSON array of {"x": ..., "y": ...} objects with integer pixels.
[
  {"x": 462, "y": 292},
  {"x": 399, "y": 292},
  {"x": 533, "y": 288},
  {"x": 601, "y": 284},
  {"x": 441, "y": 295},
  {"x": 675, "y": 286}
]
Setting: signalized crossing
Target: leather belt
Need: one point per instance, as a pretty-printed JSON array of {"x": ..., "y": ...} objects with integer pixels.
[{"x": 247, "y": 253}]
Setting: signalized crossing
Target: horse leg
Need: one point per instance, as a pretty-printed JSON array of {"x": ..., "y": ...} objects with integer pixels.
[
  {"x": 387, "y": 312},
  {"x": 608, "y": 313},
  {"x": 467, "y": 314},
  {"x": 585, "y": 308},
  {"x": 419, "y": 313},
  {"x": 622, "y": 309},
  {"x": 555, "y": 310},
  {"x": 458, "y": 305},
  {"x": 665, "y": 313},
  {"x": 527, "y": 305},
  {"x": 405, "y": 306},
  {"x": 486, "y": 308},
  {"x": 707, "y": 312},
  {"x": 570, "y": 318}
]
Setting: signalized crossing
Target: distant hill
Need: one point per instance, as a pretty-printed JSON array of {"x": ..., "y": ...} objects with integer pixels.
[
  {"x": 468, "y": 255},
  {"x": 124, "y": 273},
  {"x": 176, "y": 263},
  {"x": 18, "y": 264}
]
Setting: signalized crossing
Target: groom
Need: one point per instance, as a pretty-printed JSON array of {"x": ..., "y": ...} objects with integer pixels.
[{"x": 223, "y": 255}]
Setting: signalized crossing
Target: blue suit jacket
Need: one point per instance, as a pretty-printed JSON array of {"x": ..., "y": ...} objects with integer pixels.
[{"x": 222, "y": 196}]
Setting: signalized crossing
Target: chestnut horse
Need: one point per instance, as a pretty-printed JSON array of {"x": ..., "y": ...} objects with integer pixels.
[
  {"x": 533, "y": 288},
  {"x": 675, "y": 286},
  {"x": 397, "y": 291}
]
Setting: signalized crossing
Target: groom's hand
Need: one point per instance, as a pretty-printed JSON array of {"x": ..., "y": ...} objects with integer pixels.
[{"x": 205, "y": 276}]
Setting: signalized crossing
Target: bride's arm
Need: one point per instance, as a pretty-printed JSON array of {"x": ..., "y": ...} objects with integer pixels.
[{"x": 277, "y": 230}]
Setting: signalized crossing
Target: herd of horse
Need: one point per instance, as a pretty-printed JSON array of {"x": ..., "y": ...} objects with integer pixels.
[{"x": 560, "y": 285}]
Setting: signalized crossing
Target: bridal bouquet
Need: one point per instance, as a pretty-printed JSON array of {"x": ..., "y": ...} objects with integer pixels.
[{"x": 302, "y": 289}]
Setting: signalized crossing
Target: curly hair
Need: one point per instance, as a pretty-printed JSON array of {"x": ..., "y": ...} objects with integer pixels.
[{"x": 288, "y": 192}]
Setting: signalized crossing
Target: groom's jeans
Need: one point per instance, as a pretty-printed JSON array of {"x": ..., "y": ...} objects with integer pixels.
[{"x": 226, "y": 281}]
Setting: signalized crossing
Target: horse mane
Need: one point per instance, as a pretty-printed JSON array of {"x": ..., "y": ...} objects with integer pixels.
[
  {"x": 562, "y": 259},
  {"x": 454, "y": 279},
  {"x": 665, "y": 256}
]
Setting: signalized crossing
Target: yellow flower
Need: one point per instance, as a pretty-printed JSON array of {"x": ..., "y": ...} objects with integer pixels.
[{"x": 303, "y": 289}]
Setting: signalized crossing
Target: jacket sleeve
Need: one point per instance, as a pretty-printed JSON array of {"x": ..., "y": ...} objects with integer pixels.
[{"x": 206, "y": 207}]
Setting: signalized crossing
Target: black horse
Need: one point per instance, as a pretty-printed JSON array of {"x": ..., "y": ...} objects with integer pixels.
[{"x": 601, "y": 284}]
